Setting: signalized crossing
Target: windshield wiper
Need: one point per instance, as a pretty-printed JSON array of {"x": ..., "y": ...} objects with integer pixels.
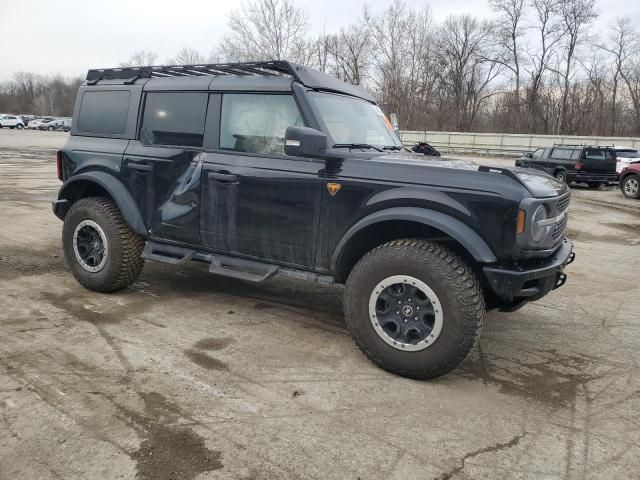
[
  {"x": 356, "y": 145},
  {"x": 392, "y": 147}
]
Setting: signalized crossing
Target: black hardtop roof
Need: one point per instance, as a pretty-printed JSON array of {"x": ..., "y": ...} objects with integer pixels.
[{"x": 267, "y": 71}]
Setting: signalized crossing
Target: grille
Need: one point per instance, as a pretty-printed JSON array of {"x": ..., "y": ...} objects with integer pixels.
[
  {"x": 563, "y": 203},
  {"x": 558, "y": 229}
]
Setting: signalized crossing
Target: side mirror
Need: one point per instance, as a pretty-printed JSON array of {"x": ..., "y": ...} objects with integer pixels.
[
  {"x": 528, "y": 155},
  {"x": 305, "y": 142}
]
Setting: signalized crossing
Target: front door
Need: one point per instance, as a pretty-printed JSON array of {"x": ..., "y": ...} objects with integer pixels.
[
  {"x": 258, "y": 202},
  {"x": 162, "y": 169}
]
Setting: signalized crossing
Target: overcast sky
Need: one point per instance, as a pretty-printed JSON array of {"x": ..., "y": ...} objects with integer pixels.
[{"x": 71, "y": 36}]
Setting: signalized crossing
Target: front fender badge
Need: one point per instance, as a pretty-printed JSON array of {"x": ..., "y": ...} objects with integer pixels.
[{"x": 333, "y": 188}]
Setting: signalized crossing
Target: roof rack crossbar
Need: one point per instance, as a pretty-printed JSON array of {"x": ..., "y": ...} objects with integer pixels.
[{"x": 130, "y": 74}]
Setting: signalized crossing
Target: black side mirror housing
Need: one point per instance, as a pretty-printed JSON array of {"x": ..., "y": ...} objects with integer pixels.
[
  {"x": 528, "y": 155},
  {"x": 305, "y": 142}
]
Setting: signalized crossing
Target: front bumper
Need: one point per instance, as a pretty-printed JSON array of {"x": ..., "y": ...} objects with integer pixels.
[{"x": 516, "y": 286}]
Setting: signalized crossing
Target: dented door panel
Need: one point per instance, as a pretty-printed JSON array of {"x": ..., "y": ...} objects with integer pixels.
[
  {"x": 166, "y": 185},
  {"x": 262, "y": 207}
]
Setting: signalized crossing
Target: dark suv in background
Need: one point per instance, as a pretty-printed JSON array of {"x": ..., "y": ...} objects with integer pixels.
[
  {"x": 272, "y": 168},
  {"x": 593, "y": 165}
]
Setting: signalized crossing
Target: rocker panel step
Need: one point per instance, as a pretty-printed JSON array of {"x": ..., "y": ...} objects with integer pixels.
[{"x": 160, "y": 252}]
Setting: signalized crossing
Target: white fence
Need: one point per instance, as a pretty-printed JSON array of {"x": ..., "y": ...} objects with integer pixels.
[{"x": 505, "y": 144}]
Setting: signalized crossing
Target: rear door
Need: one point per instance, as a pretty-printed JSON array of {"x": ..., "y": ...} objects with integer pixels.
[
  {"x": 598, "y": 160},
  {"x": 562, "y": 158},
  {"x": 162, "y": 166}
]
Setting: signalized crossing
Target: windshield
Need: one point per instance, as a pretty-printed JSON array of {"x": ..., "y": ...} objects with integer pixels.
[{"x": 352, "y": 120}]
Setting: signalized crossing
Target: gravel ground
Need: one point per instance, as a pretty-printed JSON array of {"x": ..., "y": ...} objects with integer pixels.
[{"x": 185, "y": 375}]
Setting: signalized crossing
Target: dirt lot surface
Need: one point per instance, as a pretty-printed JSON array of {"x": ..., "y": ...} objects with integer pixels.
[{"x": 187, "y": 376}]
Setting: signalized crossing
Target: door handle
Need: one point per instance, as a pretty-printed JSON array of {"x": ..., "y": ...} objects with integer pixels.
[
  {"x": 140, "y": 166},
  {"x": 224, "y": 177}
]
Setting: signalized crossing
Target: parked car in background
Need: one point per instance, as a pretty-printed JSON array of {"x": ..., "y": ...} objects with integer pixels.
[
  {"x": 35, "y": 123},
  {"x": 11, "y": 121},
  {"x": 56, "y": 124},
  {"x": 630, "y": 181},
  {"x": 625, "y": 156},
  {"x": 590, "y": 164}
]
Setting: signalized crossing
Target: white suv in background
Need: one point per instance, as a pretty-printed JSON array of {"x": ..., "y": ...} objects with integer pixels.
[
  {"x": 11, "y": 121},
  {"x": 625, "y": 156}
]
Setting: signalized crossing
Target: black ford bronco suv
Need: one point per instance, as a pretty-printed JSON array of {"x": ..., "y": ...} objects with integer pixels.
[
  {"x": 590, "y": 164},
  {"x": 262, "y": 169}
]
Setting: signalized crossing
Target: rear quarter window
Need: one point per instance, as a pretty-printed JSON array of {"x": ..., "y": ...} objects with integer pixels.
[{"x": 104, "y": 112}]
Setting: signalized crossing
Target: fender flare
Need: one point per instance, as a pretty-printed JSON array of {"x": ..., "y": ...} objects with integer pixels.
[
  {"x": 459, "y": 231},
  {"x": 114, "y": 187}
]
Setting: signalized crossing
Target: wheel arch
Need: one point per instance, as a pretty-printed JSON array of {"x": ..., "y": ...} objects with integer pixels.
[
  {"x": 407, "y": 222},
  {"x": 100, "y": 184}
]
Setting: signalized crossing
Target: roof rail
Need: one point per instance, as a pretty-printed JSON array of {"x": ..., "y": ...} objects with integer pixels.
[{"x": 131, "y": 74}]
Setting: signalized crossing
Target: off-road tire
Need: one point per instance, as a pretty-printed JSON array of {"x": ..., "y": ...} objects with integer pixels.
[
  {"x": 628, "y": 178},
  {"x": 124, "y": 262},
  {"x": 448, "y": 276}
]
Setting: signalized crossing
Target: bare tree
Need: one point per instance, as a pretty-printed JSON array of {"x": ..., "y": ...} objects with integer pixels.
[
  {"x": 187, "y": 56},
  {"x": 464, "y": 51},
  {"x": 620, "y": 44},
  {"x": 576, "y": 16},
  {"x": 549, "y": 34},
  {"x": 267, "y": 30},
  {"x": 141, "y": 58},
  {"x": 509, "y": 31}
]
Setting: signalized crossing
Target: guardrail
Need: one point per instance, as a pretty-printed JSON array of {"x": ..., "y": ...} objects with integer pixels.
[{"x": 505, "y": 144}]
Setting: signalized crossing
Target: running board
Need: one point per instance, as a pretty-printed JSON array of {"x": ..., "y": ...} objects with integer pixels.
[
  {"x": 160, "y": 252},
  {"x": 232, "y": 267}
]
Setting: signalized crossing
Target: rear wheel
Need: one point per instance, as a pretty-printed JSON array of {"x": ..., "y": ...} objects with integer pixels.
[
  {"x": 414, "y": 308},
  {"x": 631, "y": 186},
  {"x": 101, "y": 250}
]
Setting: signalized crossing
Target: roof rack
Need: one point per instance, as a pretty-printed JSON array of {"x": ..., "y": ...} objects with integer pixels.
[
  {"x": 131, "y": 74},
  {"x": 582, "y": 145}
]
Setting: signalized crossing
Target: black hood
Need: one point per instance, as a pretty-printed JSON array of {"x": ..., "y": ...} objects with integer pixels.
[{"x": 539, "y": 184}]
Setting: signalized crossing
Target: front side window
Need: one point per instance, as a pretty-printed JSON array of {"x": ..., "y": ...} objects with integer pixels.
[
  {"x": 538, "y": 153},
  {"x": 256, "y": 123},
  {"x": 174, "y": 118},
  {"x": 351, "y": 120}
]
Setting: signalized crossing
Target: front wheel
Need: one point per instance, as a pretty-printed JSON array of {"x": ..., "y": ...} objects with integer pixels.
[
  {"x": 20, "y": 126},
  {"x": 631, "y": 186},
  {"x": 101, "y": 250},
  {"x": 50, "y": 129},
  {"x": 414, "y": 308}
]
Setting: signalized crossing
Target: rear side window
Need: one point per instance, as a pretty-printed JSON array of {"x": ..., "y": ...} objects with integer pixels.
[
  {"x": 562, "y": 153},
  {"x": 104, "y": 112},
  {"x": 174, "y": 118}
]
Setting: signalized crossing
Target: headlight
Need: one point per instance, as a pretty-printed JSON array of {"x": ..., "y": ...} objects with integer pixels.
[{"x": 538, "y": 227}]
